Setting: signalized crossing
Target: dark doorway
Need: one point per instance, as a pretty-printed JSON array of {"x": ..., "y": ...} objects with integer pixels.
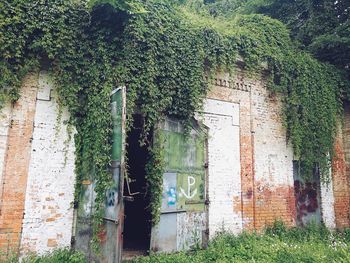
[{"x": 137, "y": 226}]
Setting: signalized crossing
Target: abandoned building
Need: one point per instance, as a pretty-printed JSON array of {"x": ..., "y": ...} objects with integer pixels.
[{"x": 241, "y": 176}]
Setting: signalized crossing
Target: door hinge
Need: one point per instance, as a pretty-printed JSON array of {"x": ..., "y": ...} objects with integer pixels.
[
  {"x": 72, "y": 241},
  {"x": 206, "y": 202}
]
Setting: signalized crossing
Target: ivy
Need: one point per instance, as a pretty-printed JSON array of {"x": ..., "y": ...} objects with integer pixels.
[
  {"x": 162, "y": 52},
  {"x": 154, "y": 170}
]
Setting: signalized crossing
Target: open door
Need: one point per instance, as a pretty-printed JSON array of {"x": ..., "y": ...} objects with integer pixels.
[
  {"x": 111, "y": 234},
  {"x": 183, "y": 220}
]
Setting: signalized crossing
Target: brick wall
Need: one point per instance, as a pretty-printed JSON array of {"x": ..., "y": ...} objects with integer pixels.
[
  {"x": 16, "y": 162},
  {"x": 266, "y": 161},
  {"x": 327, "y": 203},
  {"x": 238, "y": 92},
  {"x": 224, "y": 183},
  {"x": 48, "y": 217},
  {"x": 266, "y": 175},
  {"x": 250, "y": 165},
  {"x": 273, "y": 160},
  {"x": 36, "y": 171},
  {"x": 340, "y": 172}
]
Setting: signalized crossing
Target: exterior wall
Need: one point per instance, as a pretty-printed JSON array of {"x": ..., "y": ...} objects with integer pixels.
[
  {"x": 250, "y": 182},
  {"x": 224, "y": 183},
  {"x": 5, "y": 122},
  {"x": 48, "y": 217},
  {"x": 327, "y": 204},
  {"x": 273, "y": 161},
  {"x": 16, "y": 162},
  {"x": 263, "y": 191},
  {"x": 341, "y": 171},
  {"x": 238, "y": 91},
  {"x": 36, "y": 171}
]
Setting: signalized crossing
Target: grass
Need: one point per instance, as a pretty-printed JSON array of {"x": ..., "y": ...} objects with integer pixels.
[
  {"x": 276, "y": 244},
  {"x": 57, "y": 256}
]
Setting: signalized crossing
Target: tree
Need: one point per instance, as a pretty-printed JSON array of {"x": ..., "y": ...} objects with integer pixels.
[{"x": 320, "y": 26}]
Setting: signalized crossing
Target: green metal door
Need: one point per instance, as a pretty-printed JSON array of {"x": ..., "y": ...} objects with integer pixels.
[
  {"x": 183, "y": 220},
  {"x": 110, "y": 236}
]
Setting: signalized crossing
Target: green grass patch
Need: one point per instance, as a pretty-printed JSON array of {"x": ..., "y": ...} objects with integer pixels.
[
  {"x": 276, "y": 244},
  {"x": 57, "y": 256}
]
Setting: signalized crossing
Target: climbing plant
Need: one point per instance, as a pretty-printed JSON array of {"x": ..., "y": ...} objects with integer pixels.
[{"x": 162, "y": 51}]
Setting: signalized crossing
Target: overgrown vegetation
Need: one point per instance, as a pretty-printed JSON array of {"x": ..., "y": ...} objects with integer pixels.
[
  {"x": 320, "y": 26},
  {"x": 57, "y": 256},
  {"x": 277, "y": 244},
  {"x": 161, "y": 50}
]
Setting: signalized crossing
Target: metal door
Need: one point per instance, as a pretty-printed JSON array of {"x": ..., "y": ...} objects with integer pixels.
[
  {"x": 183, "y": 220},
  {"x": 110, "y": 236},
  {"x": 307, "y": 196}
]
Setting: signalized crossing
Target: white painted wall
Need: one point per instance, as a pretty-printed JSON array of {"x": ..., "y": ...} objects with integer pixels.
[
  {"x": 5, "y": 121},
  {"x": 327, "y": 203},
  {"x": 224, "y": 181},
  {"x": 48, "y": 218},
  {"x": 273, "y": 156}
]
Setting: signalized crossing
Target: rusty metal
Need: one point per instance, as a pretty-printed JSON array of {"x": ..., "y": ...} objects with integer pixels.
[
  {"x": 115, "y": 221},
  {"x": 307, "y": 196}
]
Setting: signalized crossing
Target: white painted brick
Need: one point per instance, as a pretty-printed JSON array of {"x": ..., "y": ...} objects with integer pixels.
[
  {"x": 273, "y": 156},
  {"x": 5, "y": 121},
  {"x": 327, "y": 203},
  {"x": 224, "y": 165},
  {"x": 50, "y": 186}
]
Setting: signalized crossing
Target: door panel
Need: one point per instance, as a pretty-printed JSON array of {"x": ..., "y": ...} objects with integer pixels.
[
  {"x": 111, "y": 234},
  {"x": 112, "y": 243},
  {"x": 184, "y": 189},
  {"x": 307, "y": 196}
]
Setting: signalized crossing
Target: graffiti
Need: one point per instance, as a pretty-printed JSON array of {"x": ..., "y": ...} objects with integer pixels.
[
  {"x": 182, "y": 191},
  {"x": 111, "y": 203},
  {"x": 190, "y": 182},
  {"x": 171, "y": 195},
  {"x": 111, "y": 197}
]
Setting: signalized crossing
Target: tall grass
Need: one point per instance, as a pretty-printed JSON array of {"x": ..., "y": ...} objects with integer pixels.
[{"x": 277, "y": 244}]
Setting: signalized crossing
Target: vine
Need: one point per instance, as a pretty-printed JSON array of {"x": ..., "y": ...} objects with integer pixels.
[
  {"x": 162, "y": 53},
  {"x": 154, "y": 170}
]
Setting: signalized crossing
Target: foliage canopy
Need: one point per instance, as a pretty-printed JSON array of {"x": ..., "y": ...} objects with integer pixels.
[{"x": 320, "y": 26}]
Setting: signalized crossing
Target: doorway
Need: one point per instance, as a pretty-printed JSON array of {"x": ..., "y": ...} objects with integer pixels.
[{"x": 137, "y": 222}]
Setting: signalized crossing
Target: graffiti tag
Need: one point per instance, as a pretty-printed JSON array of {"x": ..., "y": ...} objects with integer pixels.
[{"x": 190, "y": 182}]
